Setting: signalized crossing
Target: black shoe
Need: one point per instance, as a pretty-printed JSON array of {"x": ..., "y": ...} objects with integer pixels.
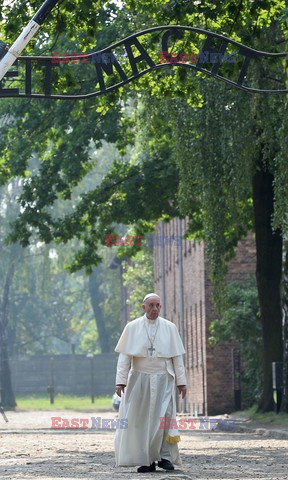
[
  {"x": 166, "y": 464},
  {"x": 145, "y": 469}
]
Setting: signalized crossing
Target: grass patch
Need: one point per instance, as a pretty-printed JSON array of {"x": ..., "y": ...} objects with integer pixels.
[
  {"x": 62, "y": 402},
  {"x": 268, "y": 417}
]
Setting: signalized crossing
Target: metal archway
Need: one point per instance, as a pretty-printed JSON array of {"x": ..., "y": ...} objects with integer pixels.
[{"x": 108, "y": 69}]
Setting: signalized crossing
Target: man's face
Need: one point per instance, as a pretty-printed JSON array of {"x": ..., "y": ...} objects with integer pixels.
[{"x": 152, "y": 307}]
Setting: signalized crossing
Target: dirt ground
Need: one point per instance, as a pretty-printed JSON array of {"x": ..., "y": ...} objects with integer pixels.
[{"x": 30, "y": 449}]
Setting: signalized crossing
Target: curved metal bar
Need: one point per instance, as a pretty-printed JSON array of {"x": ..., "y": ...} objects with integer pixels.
[
  {"x": 180, "y": 27},
  {"x": 175, "y": 31}
]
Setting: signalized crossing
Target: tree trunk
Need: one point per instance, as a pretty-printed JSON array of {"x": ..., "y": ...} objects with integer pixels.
[
  {"x": 7, "y": 395},
  {"x": 268, "y": 275},
  {"x": 284, "y": 406},
  {"x": 95, "y": 299}
]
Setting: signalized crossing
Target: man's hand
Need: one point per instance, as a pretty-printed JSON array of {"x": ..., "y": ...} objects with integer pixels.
[
  {"x": 182, "y": 390},
  {"x": 119, "y": 389}
]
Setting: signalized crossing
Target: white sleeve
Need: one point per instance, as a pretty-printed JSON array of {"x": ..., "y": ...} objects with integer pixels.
[
  {"x": 179, "y": 370},
  {"x": 123, "y": 367}
]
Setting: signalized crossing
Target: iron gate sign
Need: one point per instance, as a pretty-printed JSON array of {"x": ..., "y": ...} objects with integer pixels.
[{"x": 97, "y": 73}]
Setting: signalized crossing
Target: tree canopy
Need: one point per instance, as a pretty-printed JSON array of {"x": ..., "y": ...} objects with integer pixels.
[{"x": 62, "y": 138}]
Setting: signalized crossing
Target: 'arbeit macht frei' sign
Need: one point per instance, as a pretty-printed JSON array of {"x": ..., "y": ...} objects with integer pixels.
[{"x": 79, "y": 75}]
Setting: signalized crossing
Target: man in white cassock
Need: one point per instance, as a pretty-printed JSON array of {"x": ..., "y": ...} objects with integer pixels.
[{"x": 150, "y": 366}]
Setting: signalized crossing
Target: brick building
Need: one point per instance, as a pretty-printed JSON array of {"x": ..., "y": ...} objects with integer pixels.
[{"x": 182, "y": 280}]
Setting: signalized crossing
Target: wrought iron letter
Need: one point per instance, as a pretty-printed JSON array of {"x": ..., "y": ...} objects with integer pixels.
[
  {"x": 134, "y": 60},
  {"x": 108, "y": 69}
]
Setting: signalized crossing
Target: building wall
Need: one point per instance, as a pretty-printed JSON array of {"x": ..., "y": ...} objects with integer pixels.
[
  {"x": 188, "y": 285},
  {"x": 220, "y": 378},
  {"x": 181, "y": 278}
]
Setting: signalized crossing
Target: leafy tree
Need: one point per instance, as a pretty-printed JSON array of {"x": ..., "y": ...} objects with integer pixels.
[
  {"x": 44, "y": 308},
  {"x": 7, "y": 395},
  {"x": 231, "y": 178},
  {"x": 138, "y": 278}
]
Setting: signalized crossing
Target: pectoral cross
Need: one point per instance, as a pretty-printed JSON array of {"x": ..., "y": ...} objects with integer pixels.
[{"x": 151, "y": 350}]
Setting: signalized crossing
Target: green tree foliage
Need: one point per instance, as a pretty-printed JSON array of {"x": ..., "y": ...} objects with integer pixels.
[
  {"x": 43, "y": 298},
  {"x": 62, "y": 137},
  {"x": 43, "y": 308},
  {"x": 138, "y": 278},
  {"x": 51, "y": 308}
]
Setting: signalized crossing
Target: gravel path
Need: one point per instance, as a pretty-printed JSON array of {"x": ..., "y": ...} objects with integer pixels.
[{"x": 30, "y": 449}]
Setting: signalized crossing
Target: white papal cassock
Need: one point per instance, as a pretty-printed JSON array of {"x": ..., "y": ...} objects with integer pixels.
[{"x": 151, "y": 378}]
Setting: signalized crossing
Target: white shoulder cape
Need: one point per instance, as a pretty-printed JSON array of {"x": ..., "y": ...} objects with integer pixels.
[{"x": 134, "y": 340}]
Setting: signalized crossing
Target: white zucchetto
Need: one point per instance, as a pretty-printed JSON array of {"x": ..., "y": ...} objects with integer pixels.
[{"x": 150, "y": 295}]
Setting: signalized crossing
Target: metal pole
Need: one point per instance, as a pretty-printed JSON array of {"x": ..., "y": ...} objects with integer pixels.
[
  {"x": 92, "y": 389},
  {"x": 51, "y": 386},
  {"x": 92, "y": 379},
  {"x": 24, "y": 38}
]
